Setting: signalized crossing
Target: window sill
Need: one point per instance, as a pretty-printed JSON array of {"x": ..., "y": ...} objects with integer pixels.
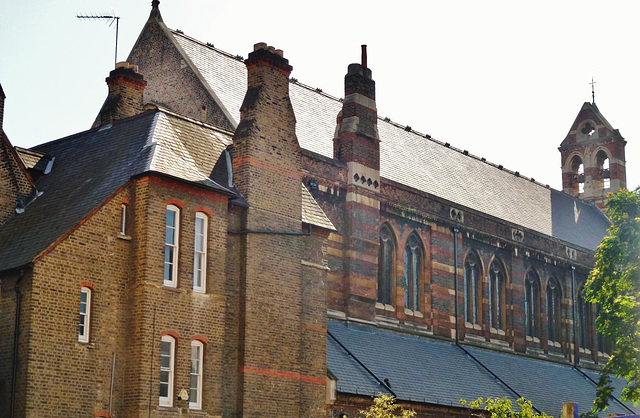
[
  {"x": 554, "y": 344},
  {"x": 124, "y": 237},
  {"x": 497, "y": 331},
  {"x": 172, "y": 289},
  {"x": 533, "y": 339},
  {"x": 385, "y": 307},
  {"x": 473, "y": 326}
]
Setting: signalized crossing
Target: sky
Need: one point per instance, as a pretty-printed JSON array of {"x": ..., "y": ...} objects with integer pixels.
[{"x": 501, "y": 79}]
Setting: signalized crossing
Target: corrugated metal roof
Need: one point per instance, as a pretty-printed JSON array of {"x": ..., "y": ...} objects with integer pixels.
[{"x": 409, "y": 158}]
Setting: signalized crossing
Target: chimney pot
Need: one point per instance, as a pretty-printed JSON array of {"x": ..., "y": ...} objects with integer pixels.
[
  {"x": 280, "y": 52},
  {"x": 364, "y": 56},
  {"x": 271, "y": 49},
  {"x": 260, "y": 45}
]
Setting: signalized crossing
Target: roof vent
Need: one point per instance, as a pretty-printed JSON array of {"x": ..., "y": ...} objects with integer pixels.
[{"x": 407, "y": 128}]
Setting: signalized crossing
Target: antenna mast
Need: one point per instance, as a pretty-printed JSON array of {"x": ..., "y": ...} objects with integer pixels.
[{"x": 109, "y": 20}]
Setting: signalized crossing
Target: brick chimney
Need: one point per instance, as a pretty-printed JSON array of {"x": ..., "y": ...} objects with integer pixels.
[
  {"x": 278, "y": 375},
  {"x": 125, "y": 99},
  {"x": 357, "y": 143},
  {"x": 2, "y": 97}
]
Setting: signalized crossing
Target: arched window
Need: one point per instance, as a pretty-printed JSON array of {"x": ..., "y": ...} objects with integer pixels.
[
  {"x": 585, "y": 322},
  {"x": 472, "y": 282},
  {"x": 412, "y": 269},
  {"x": 553, "y": 310},
  {"x": 602, "y": 160},
  {"x": 496, "y": 295},
  {"x": 385, "y": 265},
  {"x": 531, "y": 304},
  {"x": 577, "y": 168}
]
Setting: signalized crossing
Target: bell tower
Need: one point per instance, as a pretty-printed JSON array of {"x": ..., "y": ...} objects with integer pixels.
[{"x": 592, "y": 157}]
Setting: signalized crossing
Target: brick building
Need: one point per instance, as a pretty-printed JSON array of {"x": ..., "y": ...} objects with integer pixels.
[{"x": 226, "y": 241}]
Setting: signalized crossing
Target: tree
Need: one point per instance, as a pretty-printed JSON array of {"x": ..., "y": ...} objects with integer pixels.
[
  {"x": 614, "y": 285},
  {"x": 384, "y": 406},
  {"x": 503, "y": 408}
]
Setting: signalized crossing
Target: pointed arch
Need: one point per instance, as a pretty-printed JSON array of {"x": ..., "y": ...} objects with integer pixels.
[
  {"x": 497, "y": 294},
  {"x": 602, "y": 160},
  {"x": 386, "y": 263},
  {"x": 553, "y": 309},
  {"x": 472, "y": 287},
  {"x": 532, "y": 304},
  {"x": 413, "y": 267}
]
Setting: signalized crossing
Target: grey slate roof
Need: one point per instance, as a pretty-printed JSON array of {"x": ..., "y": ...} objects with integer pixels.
[
  {"x": 90, "y": 166},
  {"x": 433, "y": 371},
  {"x": 411, "y": 159}
]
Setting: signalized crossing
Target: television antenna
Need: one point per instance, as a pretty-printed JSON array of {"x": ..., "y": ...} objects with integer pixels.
[{"x": 109, "y": 19}]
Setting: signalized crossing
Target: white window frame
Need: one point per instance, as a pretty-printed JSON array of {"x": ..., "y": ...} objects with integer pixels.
[
  {"x": 195, "y": 344},
  {"x": 175, "y": 247},
  {"x": 167, "y": 400},
  {"x": 123, "y": 220},
  {"x": 83, "y": 334},
  {"x": 200, "y": 257}
]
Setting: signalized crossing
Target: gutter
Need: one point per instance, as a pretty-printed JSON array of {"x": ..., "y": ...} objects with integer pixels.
[{"x": 268, "y": 231}]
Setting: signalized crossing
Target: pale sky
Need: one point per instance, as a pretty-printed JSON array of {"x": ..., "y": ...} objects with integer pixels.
[{"x": 501, "y": 79}]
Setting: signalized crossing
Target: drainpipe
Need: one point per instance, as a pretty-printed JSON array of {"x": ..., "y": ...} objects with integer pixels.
[
  {"x": 575, "y": 319},
  {"x": 455, "y": 265},
  {"x": 16, "y": 331}
]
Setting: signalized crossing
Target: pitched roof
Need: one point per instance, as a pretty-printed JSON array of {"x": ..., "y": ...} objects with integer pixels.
[
  {"x": 412, "y": 159},
  {"x": 427, "y": 370},
  {"x": 90, "y": 166}
]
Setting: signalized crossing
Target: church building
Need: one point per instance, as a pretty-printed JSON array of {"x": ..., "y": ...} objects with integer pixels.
[{"x": 226, "y": 241}]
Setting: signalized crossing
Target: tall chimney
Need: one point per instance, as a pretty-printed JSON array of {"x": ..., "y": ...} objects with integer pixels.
[
  {"x": 279, "y": 374},
  {"x": 2, "y": 97},
  {"x": 357, "y": 144},
  {"x": 125, "y": 99}
]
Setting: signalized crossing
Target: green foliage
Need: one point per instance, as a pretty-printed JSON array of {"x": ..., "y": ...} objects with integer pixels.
[
  {"x": 384, "y": 406},
  {"x": 614, "y": 284},
  {"x": 503, "y": 408}
]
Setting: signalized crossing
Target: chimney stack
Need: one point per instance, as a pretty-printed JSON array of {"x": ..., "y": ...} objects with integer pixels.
[
  {"x": 2, "y": 97},
  {"x": 357, "y": 144},
  {"x": 125, "y": 99}
]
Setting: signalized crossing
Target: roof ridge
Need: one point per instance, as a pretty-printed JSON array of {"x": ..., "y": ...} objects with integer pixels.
[
  {"x": 194, "y": 121},
  {"x": 236, "y": 57}
]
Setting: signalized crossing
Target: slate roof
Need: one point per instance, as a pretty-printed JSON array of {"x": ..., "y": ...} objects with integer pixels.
[
  {"x": 411, "y": 159},
  {"x": 428, "y": 370},
  {"x": 90, "y": 166}
]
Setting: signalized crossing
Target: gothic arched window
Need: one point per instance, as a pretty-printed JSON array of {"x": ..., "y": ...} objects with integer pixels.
[
  {"x": 553, "y": 310},
  {"x": 602, "y": 161},
  {"x": 412, "y": 269},
  {"x": 577, "y": 168},
  {"x": 385, "y": 265},
  {"x": 496, "y": 295},
  {"x": 604, "y": 341},
  {"x": 472, "y": 282},
  {"x": 531, "y": 304},
  {"x": 585, "y": 322}
]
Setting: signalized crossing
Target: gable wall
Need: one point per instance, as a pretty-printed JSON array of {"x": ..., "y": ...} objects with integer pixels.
[{"x": 171, "y": 83}]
